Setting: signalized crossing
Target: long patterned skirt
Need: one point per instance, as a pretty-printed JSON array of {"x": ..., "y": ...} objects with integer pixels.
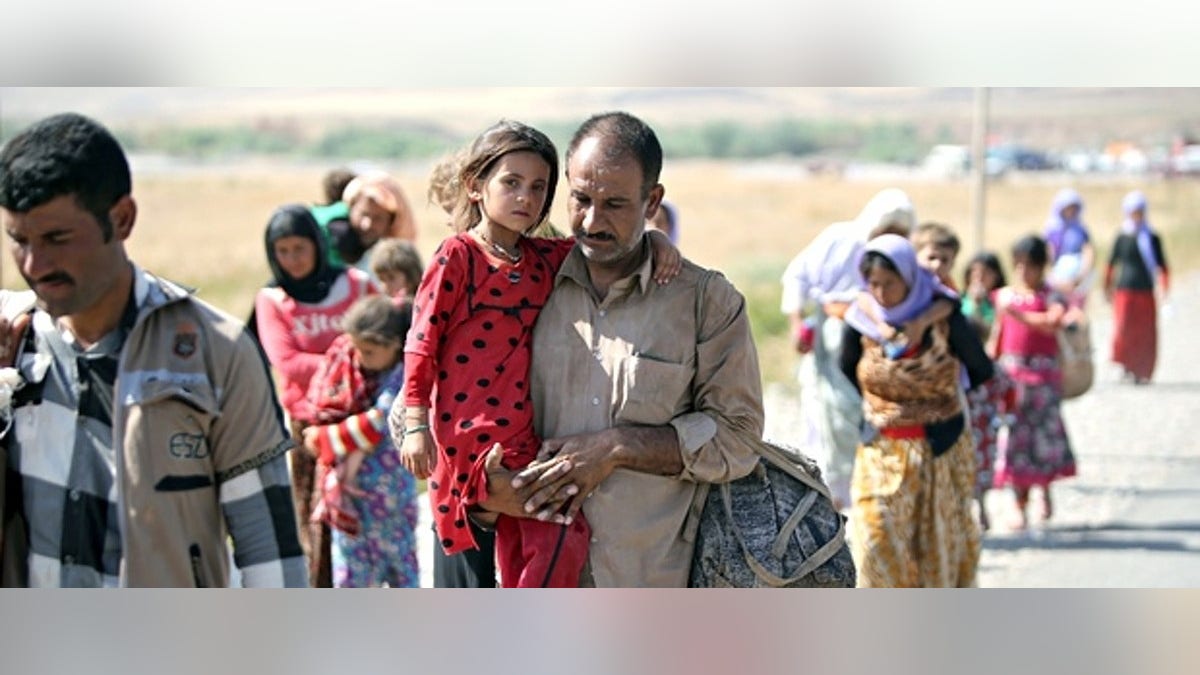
[
  {"x": 912, "y": 524},
  {"x": 1036, "y": 449},
  {"x": 986, "y": 405},
  {"x": 315, "y": 538},
  {"x": 385, "y": 550},
  {"x": 831, "y": 408}
]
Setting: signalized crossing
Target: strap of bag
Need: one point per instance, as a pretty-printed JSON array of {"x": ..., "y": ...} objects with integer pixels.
[
  {"x": 701, "y": 496},
  {"x": 1065, "y": 348}
]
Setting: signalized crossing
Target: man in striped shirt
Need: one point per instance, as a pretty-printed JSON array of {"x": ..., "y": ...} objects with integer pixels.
[{"x": 144, "y": 433}]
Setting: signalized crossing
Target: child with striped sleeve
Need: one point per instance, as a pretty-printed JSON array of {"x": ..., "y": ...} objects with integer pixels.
[{"x": 365, "y": 494}]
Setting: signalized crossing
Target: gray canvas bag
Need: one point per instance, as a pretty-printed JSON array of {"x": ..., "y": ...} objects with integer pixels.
[{"x": 775, "y": 527}]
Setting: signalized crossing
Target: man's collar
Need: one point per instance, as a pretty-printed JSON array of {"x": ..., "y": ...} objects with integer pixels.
[{"x": 575, "y": 267}]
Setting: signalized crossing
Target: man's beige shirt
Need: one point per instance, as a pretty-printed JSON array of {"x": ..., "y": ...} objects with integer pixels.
[{"x": 636, "y": 358}]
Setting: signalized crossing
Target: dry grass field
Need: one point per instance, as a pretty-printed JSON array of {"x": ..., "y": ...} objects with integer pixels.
[
  {"x": 203, "y": 226},
  {"x": 1042, "y": 116}
]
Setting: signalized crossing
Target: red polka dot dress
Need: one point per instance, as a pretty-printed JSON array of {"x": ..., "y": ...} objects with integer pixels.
[{"x": 467, "y": 357}]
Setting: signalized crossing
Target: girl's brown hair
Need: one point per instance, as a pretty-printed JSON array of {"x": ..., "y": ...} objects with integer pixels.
[
  {"x": 377, "y": 319},
  {"x": 498, "y": 140}
]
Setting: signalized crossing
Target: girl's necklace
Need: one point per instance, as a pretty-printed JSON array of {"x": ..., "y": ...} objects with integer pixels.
[{"x": 497, "y": 248}]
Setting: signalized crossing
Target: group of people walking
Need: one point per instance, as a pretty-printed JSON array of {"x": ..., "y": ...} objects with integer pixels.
[
  {"x": 562, "y": 430},
  {"x": 300, "y": 442},
  {"x": 920, "y": 394}
]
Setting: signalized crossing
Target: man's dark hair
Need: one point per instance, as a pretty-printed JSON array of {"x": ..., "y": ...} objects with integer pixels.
[
  {"x": 66, "y": 154},
  {"x": 625, "y": 134}
]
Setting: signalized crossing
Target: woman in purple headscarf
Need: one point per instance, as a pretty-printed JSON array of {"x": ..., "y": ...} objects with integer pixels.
[
  {"x": 1071, "y": 252},
  {"x": 913, "y": 483},
  {"x": 1136, "y": 263}
]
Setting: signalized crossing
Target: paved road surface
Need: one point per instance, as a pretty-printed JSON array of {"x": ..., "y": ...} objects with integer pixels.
[{"x": 1131, "y": 517}]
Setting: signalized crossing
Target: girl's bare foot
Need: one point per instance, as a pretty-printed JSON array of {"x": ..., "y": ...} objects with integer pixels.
[
  {"x": 1019, "y": 523},
  {"x": 1047, "y": 507}
]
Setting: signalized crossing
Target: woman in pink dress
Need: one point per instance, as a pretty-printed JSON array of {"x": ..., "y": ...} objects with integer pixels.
[{"x": 299, "y": 314}]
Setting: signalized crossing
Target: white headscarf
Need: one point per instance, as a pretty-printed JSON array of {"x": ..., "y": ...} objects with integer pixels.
[
  {"x": 888, "y": 207},
  {"x": 827, "y": 269}
]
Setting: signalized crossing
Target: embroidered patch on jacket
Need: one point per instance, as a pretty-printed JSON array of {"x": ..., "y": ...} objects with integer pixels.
[
  {"x": 185, "y": 340},
  {"x": 188, "y": 446}
]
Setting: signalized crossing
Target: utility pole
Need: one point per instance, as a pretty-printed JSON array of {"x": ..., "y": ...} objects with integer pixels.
[{"x": 979, "y": 134}]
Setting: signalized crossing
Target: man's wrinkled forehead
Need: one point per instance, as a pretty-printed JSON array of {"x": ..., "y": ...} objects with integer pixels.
[{"x": 597, "y": 163}]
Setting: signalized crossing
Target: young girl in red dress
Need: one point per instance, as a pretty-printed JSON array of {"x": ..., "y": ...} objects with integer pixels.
[
  {"x": 1036, "y": 450},
  {"x": 468, "y": 352}
]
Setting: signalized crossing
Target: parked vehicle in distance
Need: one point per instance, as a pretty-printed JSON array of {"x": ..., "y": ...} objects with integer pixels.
[
  {"x": 1187, "y": 160},
  {"x": 948, "y": 161},
  {"x": 1080, "y": 161},
  {"x": 1008, "y": 157}
]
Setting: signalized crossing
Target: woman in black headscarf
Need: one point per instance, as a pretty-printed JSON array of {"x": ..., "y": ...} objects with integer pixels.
[{"x": 298, "y": 315}]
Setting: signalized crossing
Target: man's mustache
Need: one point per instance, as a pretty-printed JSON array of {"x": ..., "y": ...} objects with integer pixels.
[
  {"x": 602, "y": 236},
  {"x": 51, "y": 278}
]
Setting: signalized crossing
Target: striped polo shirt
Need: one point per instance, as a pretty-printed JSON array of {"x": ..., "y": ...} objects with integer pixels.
[{"x": 61, "y": 449}]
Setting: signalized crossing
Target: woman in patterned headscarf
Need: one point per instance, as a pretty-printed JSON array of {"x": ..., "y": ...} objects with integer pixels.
[
  {"x": 913, "y": 483},
  {"x": 378, "y": 210}
]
